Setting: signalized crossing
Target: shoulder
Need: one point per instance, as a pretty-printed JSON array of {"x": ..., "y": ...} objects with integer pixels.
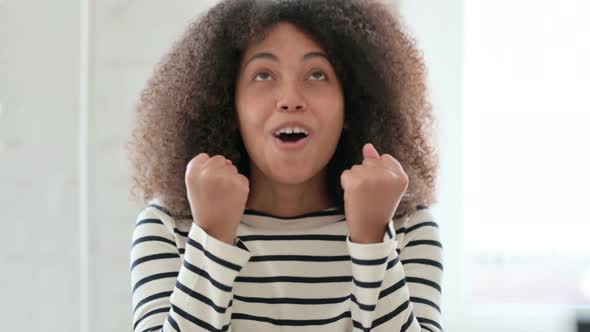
[
  {"x": 418, "y": 223},
  {"x": 155, "y": 212}
]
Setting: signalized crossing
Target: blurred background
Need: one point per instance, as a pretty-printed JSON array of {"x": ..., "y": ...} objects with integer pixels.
[{"x": 510, "y": 88}]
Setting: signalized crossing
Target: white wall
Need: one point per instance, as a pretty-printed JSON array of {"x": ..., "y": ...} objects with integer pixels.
[
  {"x": 126, "y": 39},
  {"x": 438, "y": 28},
  {"x": 39, "y": 196},
  {"x": 39, "y": 149},
  {"x": 39, "y": 283}
]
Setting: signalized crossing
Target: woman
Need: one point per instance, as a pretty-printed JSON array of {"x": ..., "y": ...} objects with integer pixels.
[{"x": 267, "y": 209}]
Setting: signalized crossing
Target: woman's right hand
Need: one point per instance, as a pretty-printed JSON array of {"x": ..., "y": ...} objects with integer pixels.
[{"x": 217, "y": 194}]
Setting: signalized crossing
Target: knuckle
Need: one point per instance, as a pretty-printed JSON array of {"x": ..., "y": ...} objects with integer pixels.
[
  {"x": 405, "y": 179},
  {"x": 190, "y": 171},
  {"x": 196, "y": 162},
  {"x": 398, "y": 178},
  {"x": 208, "y": 172},
  {"x": 243, "y": 182},
  {"x": 391, "y": 160},
  {"x": 387, "y": 156},
  {"x": 191, "y": 164},
  {"x": 243, "y": 178},
  {"x": 217, "y": 159}
]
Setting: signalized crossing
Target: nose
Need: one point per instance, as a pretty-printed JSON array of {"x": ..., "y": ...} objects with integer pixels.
[{"x": 291, "y": 99}]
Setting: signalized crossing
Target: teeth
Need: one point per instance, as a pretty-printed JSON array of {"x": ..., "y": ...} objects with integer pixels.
[{"x": 291, "y": 130}]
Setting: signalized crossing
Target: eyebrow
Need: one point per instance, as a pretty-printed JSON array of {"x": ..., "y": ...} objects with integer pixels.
[{"x": 270, "y": 56}]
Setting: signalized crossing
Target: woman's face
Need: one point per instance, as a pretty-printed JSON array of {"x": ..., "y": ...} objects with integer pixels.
[{"x": 282, "y": 79}]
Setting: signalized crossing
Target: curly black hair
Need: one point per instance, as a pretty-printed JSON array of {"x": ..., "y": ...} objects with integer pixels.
[{"x": 188, "y": 105}]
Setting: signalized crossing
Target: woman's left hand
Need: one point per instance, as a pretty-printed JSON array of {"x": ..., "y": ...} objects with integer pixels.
[{"x": 372, "y": 192}]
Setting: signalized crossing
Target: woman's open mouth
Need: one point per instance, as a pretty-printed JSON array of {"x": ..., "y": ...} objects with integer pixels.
[{"x": 291, "y": 142}]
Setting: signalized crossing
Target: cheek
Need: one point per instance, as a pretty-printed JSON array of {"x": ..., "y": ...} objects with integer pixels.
[
  {"x": 246, "y": 125},
  {"x": 328, "y": 97},
  {"x": 332, "y": 108},
  {"x": 253, "y": 99},
  {"x": 254, "y": 106},
  {"x": 251, "y": 121}
]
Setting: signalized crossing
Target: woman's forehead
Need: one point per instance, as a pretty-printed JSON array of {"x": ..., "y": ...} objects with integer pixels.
[
  {"x": 283, "y": 34},
  {"x": 283, "y": 40}
]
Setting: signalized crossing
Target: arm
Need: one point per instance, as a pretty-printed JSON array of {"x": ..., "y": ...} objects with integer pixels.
[
  {"x": 399, "y": 292},
  {"x": 173, "y": 293}
]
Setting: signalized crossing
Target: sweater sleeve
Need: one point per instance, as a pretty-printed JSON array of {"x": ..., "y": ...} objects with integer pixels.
[
  {"x": 173, "y": 292},
  {"x": 399, "y": 291}
]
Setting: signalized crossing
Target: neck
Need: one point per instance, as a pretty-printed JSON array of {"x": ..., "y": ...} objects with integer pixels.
[{"x": 284, "y": 199}]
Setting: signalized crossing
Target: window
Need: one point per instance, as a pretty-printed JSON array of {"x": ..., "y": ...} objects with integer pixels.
[{"x": 527, "y": 150}]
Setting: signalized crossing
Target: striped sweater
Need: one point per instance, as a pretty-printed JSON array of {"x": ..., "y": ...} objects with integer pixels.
[{"x": 285, "y": 274}]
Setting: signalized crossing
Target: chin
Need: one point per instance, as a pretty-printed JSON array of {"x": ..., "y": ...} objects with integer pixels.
[{"x": 290, "y": 177}]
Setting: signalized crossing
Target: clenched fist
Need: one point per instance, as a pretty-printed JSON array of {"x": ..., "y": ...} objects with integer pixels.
[
  {"x": 372, "y": 192},
  {"x": 217, "y": 194}
]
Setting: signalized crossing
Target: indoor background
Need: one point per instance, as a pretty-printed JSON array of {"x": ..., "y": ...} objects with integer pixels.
[{"x": 509, "y": 85}]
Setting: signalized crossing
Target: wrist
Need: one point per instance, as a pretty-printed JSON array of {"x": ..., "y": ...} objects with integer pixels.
[
  {"x": 223, "y": 236},
  {"x": 229, "y": 239},
  {"x": 367, "y": 237}
]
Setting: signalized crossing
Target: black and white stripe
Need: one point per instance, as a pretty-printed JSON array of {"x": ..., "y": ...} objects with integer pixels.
[{"x": 303, "y": 275}]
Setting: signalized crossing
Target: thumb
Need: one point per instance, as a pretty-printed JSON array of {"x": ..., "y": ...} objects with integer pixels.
[{"x": 369, "y": 151}]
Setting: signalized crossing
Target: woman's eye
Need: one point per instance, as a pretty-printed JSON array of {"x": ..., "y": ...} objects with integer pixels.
[
  {"x": 320, "y": 77},
  {"x": 265, "y": 76},
  {"x": 263, "y": 73}
]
